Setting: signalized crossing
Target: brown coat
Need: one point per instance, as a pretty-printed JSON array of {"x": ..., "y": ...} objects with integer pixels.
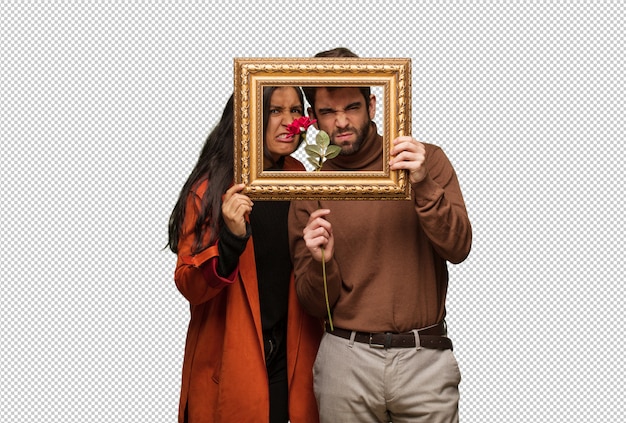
[{"x": 224, "y": 375}]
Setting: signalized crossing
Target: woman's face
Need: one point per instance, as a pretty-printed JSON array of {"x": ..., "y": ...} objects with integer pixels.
[{"x": 285, "y": 106}]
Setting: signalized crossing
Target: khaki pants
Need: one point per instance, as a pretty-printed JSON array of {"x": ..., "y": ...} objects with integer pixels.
[{"x": 356, "y": 383}]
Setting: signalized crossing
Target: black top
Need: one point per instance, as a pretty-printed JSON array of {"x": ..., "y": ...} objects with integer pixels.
[
  {"x": 268, "y": 227},
  {"x": 273, "y": 261}
]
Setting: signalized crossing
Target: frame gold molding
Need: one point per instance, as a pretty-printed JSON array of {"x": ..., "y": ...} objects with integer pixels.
[{"x": 251, "y": 74}]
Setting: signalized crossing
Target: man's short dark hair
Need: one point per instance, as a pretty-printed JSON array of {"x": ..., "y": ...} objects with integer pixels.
[
  {"x": 309, "y": 92},
  {"x": 337, "y": 52}
]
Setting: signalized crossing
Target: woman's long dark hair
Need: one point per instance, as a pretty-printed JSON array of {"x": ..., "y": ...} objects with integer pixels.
[{"x": 215, "y": 164}]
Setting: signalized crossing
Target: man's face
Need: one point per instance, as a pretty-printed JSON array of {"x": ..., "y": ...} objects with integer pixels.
[{"x": 343, "y": 114}]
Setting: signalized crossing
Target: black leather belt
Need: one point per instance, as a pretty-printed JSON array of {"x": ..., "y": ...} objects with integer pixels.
[{"x": 433, "y": 337}]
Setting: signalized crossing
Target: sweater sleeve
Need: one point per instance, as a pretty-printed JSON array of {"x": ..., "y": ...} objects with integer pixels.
[
  {"x": 441, "y": 208},
  {"x": 308, "y": 275},
  {"x": 230, "y": 247}
]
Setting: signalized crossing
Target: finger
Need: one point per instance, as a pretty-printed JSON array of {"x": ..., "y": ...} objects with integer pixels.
[
  {"x": 316, "y": 244},
  {"x": 317, "y": 218},
  {"x": 315, "y": 235},
  {"x": 405, "y": 139},
  {"x": 236, "y": 206},
  {"x": 318, "y": 213},
  {"x": 317, "y": 227},
  {"x": 243, "y": 199},
  {"x": 406, "y": 145},
  {"x": 404, "y": 159},
  {"x": 236, "y": 199},
  {"x": 241, "y": 208},
  {"x": 318, "y": 232},
  {"x": 405, "y": 142},
  {"x": 233, "y": 190}
]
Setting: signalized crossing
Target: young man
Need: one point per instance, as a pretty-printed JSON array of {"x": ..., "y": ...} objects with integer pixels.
[{"x": 388, "y": 357}]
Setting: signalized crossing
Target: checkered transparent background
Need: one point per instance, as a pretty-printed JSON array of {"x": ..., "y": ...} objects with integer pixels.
[{"x": 104, "y": 109}]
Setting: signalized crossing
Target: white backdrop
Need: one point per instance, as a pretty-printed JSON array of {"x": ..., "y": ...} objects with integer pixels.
[{"x": 104, "y": 109}]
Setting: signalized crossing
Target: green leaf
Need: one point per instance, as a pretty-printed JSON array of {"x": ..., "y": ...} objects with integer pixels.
[
  {"x": 313, "y": 150},
  {"x": 332, "y": 151},
  {"x": 315, "y": 163},
  {"x": 322, "y": 139}
]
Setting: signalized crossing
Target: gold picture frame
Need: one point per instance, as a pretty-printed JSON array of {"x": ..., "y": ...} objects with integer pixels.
[{"x": 252, "y": 74}]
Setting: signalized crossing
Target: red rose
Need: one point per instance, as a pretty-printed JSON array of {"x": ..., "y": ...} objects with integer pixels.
[{"x": 299, "y": 125}]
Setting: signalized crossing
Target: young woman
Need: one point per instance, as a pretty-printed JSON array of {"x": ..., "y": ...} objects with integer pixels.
[{"x": 250, "y": 348}]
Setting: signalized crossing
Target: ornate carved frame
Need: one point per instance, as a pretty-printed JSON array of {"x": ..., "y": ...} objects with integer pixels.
[{"x": 251, "y": 74}]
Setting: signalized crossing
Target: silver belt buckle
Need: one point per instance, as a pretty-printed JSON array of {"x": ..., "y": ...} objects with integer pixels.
[{"x": 384, "y": 346}]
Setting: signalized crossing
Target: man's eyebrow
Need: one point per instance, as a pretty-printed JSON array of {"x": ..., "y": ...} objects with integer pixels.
[
  {"x": 349, "y": 106},
  {"x": 353, "y": 105}
]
